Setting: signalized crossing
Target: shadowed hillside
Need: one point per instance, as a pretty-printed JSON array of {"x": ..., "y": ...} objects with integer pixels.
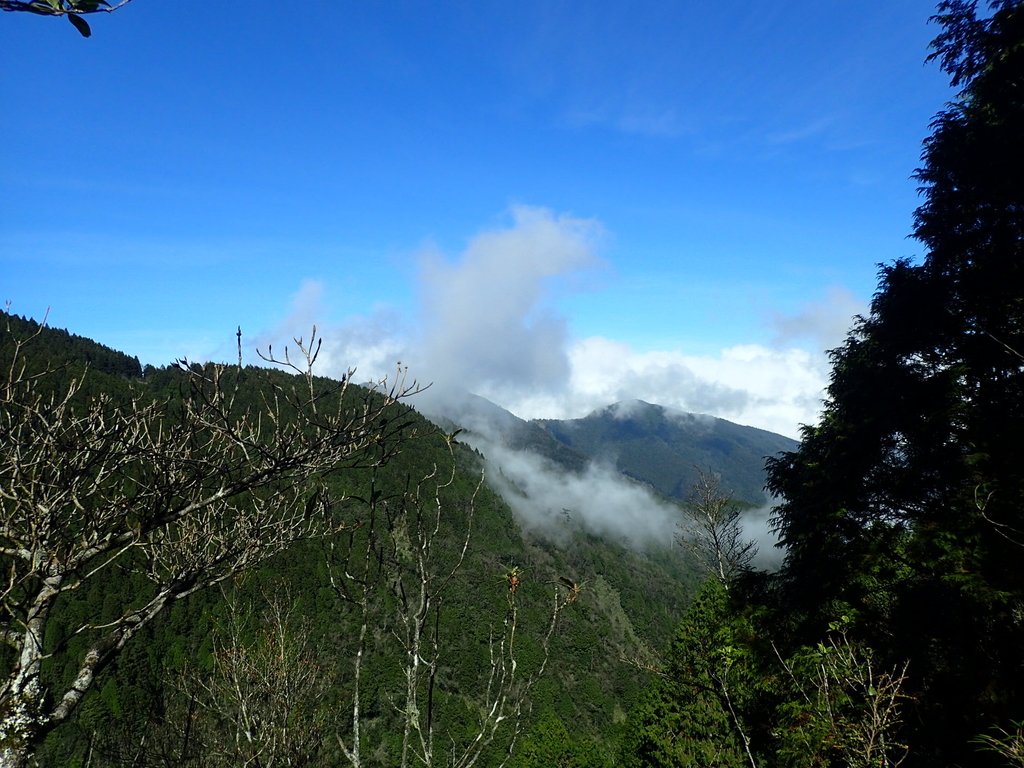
[{"x": 665, "y": 447}]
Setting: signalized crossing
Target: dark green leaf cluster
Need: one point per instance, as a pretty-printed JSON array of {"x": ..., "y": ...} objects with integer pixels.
[
  {"x": 684, "y": 719},
  {"x": 72, "y": 9},
  {"x": 905, "y": 503},
  {"x": 902, "y": 511}
]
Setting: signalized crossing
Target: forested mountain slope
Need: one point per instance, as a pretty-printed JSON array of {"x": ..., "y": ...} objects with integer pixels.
[
  {"x": 616, "y": 606},
  {"x": 661, "y": 447}
]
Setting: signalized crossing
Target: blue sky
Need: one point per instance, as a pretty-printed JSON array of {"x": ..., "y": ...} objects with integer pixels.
[{"x": 555, "y": 204}]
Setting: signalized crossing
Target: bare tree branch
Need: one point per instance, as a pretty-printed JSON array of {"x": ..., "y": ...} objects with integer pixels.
[
  {"x": 184, "y": 492},
  {"x": 397, "y": 571},
  {"x": 711, "y": 529}
]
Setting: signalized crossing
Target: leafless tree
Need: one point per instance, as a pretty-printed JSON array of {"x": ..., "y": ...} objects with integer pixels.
[
  {"x": 711, "y": 529},
  {"x": 258, "y": 703},
  {"x": 850, "y": 707},
  {"x": 186, "y": 493},
  {"x": 394, "y": 573},
  {"x": 261, "y": 704}
]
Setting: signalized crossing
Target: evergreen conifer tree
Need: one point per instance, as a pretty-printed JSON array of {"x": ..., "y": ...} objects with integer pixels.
[{"x": 905, "y": 504}]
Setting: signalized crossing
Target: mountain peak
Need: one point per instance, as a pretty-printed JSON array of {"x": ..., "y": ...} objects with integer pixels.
[
  {"x": 641, "y": 410},
  {"x": 665, "y": 446}
]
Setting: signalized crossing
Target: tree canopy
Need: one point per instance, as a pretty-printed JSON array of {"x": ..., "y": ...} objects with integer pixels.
[
  {"x": 905, "y": 504},
  {"x": 892, "y": 633},
  {"x": 72, "y": 10}
]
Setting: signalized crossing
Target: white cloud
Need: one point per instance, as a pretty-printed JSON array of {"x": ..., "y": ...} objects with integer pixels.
[
  {"x": 757, "y": 527},
  {"x": 750, "y": 384},
  {"x": 551, "y": 500},
  {"x": 824, "y": 323},
  {"x": 487, "y": 322},
  {"x": 489, "y": 325},
  {"x": 304, "y": 309},
  {"x": 371, "y": 344}
]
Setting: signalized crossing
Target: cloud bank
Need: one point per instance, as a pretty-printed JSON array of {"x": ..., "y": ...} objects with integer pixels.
[
  {"x": 552, "y": 501},
  {"x": 488, "y": 322}
]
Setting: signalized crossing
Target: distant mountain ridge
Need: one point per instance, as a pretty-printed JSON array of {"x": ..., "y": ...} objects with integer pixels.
[
  {"x": 478, "y": 416},
  {"x": 665, "y": 447},
  {"x": 655, "y": 445},
  {"x": 66, "y": 347}
]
